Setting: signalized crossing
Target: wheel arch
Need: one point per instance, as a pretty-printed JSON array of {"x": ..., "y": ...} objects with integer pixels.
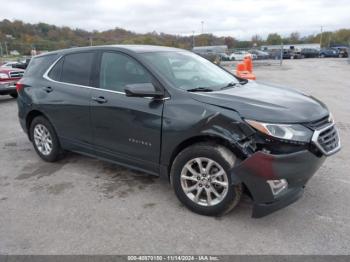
[
  {"x": 30, "y": 117},
  {"x": 217, "y": 140}
]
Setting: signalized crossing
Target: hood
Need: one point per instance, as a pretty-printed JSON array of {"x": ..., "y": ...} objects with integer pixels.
[
  {"x": 266, "y": 103},
  {"x": 10, "y": 69}
]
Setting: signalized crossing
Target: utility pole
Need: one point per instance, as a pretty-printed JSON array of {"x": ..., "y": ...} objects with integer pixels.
[
  {"x": 7, "y": 53},
  {"x": 193, "y": 43},
  {"x": 321, "y": 37},
  {"x": 0, "y": 49},
  {"x": 90, "y": 38},
  {"x": 202, "y": 22},
  {"x": 281, "y": 54}
]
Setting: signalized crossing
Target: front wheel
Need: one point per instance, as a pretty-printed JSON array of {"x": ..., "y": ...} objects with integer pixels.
[{"x": 201, "y": 180}]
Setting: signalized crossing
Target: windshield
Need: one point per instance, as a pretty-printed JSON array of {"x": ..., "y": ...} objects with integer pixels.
[{"x": 189, "y": 71}]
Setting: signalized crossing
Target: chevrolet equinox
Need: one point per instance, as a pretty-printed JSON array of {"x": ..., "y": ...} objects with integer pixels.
[{"x": 173, "y": 114}]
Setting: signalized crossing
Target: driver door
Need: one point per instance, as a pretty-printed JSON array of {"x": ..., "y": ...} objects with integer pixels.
[{"x": 125, "y": 129}]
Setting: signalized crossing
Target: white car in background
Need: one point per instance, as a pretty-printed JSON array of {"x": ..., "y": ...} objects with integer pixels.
[
  {"x": 9, "y": 64},
  {"x": 239, "y": 55}
]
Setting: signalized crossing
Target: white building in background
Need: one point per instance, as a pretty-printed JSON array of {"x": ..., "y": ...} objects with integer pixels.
[
  {"x": 291, "y": 46},
  {"x": 14, "y": 52}
]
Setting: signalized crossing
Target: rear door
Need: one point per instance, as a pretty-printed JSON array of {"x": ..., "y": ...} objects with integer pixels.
[
  {"x": 66, "y": 99},
  {"x": 125, "y": 129}
]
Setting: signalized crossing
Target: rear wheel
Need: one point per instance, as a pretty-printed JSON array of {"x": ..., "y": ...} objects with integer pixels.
[
  {"x": 45, "y": 140},
  {"x": 14, "y": 95},
  {"x": 201, "y": 180}
]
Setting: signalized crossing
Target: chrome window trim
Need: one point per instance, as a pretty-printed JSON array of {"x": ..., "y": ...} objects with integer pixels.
[
  {"x": 317, "y": 133},
  {"x": 46, "y": 76}
]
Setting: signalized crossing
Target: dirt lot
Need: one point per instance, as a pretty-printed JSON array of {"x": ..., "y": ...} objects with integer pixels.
[{"x": 85, "y": 206}]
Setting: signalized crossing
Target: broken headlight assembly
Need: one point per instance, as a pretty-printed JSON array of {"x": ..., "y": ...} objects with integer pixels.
[{"x": 289, "y": 132}]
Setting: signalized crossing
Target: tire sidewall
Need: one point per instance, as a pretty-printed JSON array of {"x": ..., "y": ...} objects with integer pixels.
[
  {"x": 56, "y": 149},
  {"x": 208, "y": 151}
]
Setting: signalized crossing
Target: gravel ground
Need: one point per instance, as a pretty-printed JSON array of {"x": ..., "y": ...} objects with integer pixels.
[{"x": 85, "y": 206}]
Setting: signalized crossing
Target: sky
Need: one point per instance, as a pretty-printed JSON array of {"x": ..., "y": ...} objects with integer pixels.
[{"x": 238, "y": 18}]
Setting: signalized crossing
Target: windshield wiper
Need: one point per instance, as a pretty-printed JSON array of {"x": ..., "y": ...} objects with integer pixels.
[
  {"x": 231, "y": 84},
  {"x": 200, "y": 89}
]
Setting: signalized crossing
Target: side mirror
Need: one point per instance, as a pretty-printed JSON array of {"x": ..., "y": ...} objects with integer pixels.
[{"x": 142, "y": 90}]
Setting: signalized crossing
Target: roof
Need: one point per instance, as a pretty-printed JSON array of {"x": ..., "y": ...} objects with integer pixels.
[{"x": 133, "y": 48}]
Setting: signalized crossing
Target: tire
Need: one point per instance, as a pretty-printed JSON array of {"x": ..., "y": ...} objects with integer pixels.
[
  {"x": 14, "y": 95},
  {"x": 224, "y": 160},
  {"x": 322, "y": 56},
  {"x": 55, "y": 153}
]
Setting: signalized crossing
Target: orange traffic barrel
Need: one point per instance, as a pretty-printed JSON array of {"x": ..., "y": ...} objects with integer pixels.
[{"x": 248, "y": 63}]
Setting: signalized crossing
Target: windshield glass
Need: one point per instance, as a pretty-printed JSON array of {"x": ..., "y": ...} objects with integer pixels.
[{"x": 189, "y": 71}]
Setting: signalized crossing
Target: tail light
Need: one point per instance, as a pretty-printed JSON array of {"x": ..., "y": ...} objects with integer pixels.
[{"x": 19, "y": 86}]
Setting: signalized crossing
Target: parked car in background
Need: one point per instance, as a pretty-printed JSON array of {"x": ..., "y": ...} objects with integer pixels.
[
  {"x": 171, "y": 113},
  {"x": 291, "y": 54},
  {"x": 224, "y": 57},
  {"x": 8, "y": 79},
  {"x": 259, "y": 54},
  {"x": 343, "y": 51},
  {"x": 275, "y": 54},
  {"x": 309, "y": 53},
  {"x": 9, "y": 64},
  {"x": 329, "y": 52},
  {"x": 23, "y": 64},
  {"x": 239, "y": 55}
]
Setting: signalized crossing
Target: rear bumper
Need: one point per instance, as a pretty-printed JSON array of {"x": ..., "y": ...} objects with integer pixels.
[
  {"x": 7, "y": 88},
  {"x": 297, "y": 168}
]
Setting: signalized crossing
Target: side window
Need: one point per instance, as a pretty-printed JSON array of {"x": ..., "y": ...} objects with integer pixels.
[
  {"x": 118, "y": 70},
  {"x": 55, "y": 72},
  {"x": 77, "y": 68}
]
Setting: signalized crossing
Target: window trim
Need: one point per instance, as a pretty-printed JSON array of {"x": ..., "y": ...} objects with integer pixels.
[
  {"x": 99, "y": 60},
  {"x": 46, "y": 76},
  {"x": 96, "y": 64},
  {"x": 93, "y": 52}
]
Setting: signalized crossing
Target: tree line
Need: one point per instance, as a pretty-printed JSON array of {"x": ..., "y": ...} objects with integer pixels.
[{"x": 23, "y": 37}]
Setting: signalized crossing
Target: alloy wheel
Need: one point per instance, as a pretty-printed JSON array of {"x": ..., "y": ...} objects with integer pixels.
[
  {"x": 42, "y": 139},
  {"x": 204, "y": 181}
]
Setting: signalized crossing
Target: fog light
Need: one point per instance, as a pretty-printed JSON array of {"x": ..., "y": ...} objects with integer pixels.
[{"x": 277, "y": 186}]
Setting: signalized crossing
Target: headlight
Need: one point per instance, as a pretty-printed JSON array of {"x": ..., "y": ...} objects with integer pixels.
[
  {"x": 330, "y": 118},
  {"x": 4, "y": 76},
  {"x": 293, "y": 132}
]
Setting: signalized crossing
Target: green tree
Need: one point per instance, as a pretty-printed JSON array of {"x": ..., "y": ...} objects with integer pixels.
[
  {"x": 274, "y": 39},
  {"x": 294, "y": 38}
]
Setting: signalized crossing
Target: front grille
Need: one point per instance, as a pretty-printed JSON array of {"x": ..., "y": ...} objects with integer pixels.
[
  {"x": 318, "y": 124},
  {"x": 16, "y": 74},
  {"x": 327, "y": 139}
]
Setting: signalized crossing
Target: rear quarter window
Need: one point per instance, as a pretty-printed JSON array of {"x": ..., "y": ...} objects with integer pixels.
[
  {"x": 77, "y": 68},
  {"x": 55, "y": 72},
  {"x": 38, "y": 65}
]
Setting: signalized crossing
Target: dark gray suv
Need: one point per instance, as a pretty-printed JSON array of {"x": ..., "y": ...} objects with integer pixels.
[{"x": 174, "y": 114}]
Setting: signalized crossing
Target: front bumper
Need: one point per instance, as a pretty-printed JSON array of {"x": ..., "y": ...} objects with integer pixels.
[
  {"x": 7, "y": 88},
  {"x": 297, "y": 168}
]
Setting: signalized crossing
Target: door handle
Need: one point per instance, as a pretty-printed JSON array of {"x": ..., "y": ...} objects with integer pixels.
[
  {"x": 48, "y": 89},
  {"x": 100, "y": 99}
]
